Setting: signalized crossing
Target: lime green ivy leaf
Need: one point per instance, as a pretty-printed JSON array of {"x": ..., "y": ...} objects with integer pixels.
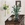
[{"x": 5, "y": 7}]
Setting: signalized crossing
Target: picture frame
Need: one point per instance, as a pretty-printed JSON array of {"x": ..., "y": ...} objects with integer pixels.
[{"x": 18, "y": 3}]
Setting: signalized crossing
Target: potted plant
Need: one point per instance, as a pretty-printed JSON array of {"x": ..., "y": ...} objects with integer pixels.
[
  {"x": 16, "y": 10},
  {"x": 5, "y": 8}
]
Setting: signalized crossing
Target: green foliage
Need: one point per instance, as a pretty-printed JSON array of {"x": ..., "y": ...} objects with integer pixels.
[
  {"x": 16, "y": 10},
  {"x": 5, "y": 7}
]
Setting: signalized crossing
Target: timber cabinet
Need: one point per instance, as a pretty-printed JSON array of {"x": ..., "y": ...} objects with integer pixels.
[{"x": 19, "y": 22}]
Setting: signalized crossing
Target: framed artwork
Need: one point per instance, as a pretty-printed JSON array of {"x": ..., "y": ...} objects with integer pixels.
[{"x": 18, "y": 3}]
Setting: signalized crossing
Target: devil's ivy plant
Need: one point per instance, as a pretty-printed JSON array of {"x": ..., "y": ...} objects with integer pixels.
[{"x": 5, "y": 7}]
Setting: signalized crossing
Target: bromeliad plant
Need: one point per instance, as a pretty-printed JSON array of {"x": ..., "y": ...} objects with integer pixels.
[{"x": 16, "y": 10}]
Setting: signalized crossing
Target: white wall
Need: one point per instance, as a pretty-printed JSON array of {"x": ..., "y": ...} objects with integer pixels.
[
  {"x": 10, "y": 3},
  {"x": 22, "y": 6}
]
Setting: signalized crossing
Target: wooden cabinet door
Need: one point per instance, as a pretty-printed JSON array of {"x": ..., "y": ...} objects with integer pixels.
[{"x": 11, "y": 24}]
